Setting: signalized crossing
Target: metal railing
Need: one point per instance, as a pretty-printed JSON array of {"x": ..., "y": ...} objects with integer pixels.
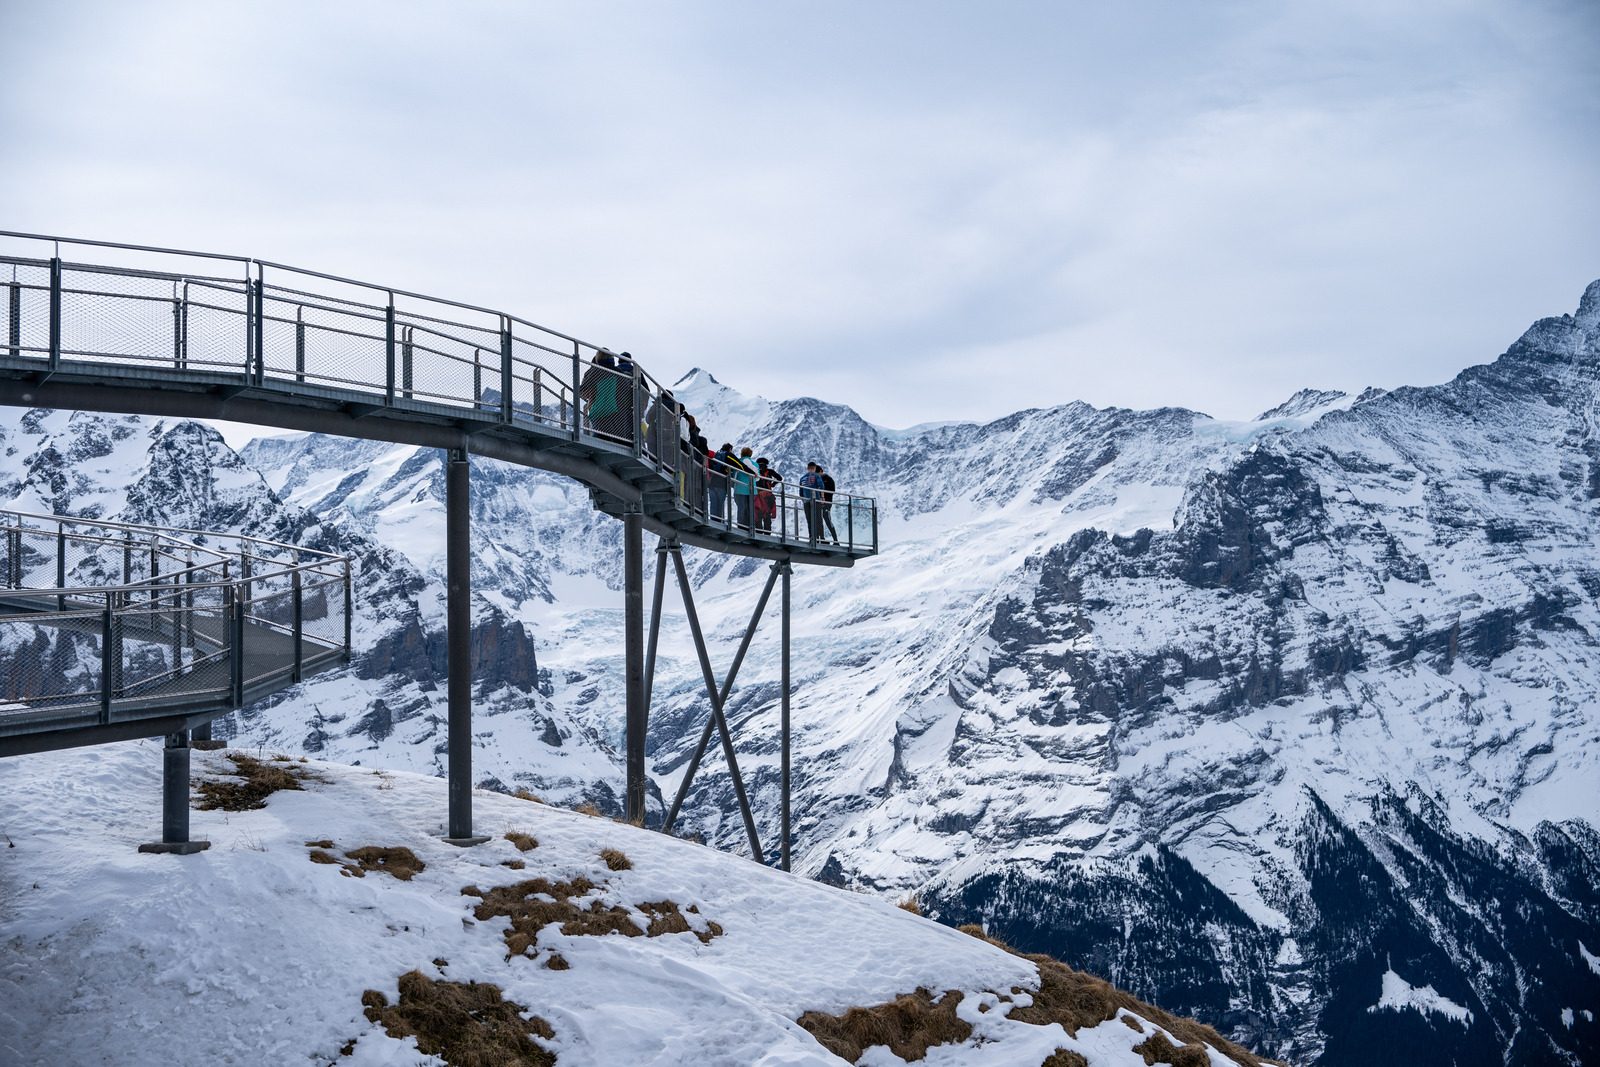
[
  {"x": 105, "y": 621},
  {"x": 271, "y": 326}
]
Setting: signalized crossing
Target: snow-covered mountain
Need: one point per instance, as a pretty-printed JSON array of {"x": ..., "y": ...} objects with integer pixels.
[
  {"x": 329, "y": 924},
  {"x": 1292, "y": 724}
]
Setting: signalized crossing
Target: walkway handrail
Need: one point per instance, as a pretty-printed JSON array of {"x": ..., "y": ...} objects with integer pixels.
[{"x": 405, "y": 352}]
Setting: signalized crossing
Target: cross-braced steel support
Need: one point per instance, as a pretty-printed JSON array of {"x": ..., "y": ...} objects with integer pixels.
[
  {"x": 458, "y": 639},
  {"x": 717, "y": 695},
  {"x": 633, "y": 653}
]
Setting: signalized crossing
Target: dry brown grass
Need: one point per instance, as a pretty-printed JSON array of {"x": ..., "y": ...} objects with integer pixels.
[
  {"x": 557, "y": 962},
  {"x": 524, "y": 842},
  {"x": 616, "y": 860},
  {"x": 587, "y": 808},
  {"x": 522, "y": 793},
  {"x": 257, "y": 781},
  {"x": 396, "y": 860},
  {"x": 466, "y": 1024},
  {"x": 538, "y": 902},
  {"x": 1157, "y": 1049},
  {"x": 515, "y": 865},
  {"x": 1064, "y": 1057},
  {"x": 1076, "y": 999},
  {"x": 909, "y": 1025},
  {"x": 913, "y": 904}
]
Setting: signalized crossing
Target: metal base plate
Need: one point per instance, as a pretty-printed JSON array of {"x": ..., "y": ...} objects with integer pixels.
[
  {"x": 464, "y": 842},
  {"x": 176, "y": 848}
]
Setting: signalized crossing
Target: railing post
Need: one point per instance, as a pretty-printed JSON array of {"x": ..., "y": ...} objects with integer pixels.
[
  {"x": 850, "y": 521},
  {"x": 507, "y": 379},
  {"x": 177, "y": 329},
  {"x": 388, "y": 351},
  {"x": 14, "y": 319},
  {"x": 235, "y": 623},
  {"x": 106, "y": 653},
  {"x": 299, "y": 624},
  {"x": 249, "y": 325},
  {"x": 577, "y": 387},
  {"x": 874, "y": 527},
  {"x": 155, "y": 569},
  {"x": 348, "y": 603},
  {"x": 477, "y": 379},
  {"x": 407, "y": 360},
  {"x": 188, "y": 603},
  {"x": 637, "y": 431},
  {"x": 61, "y": 565},
  {"x": 183, "y": 330},
  {"x": 260, "y": 325},
  {"x": 55, "y": 312},
  {"x": 14, "y": 555},
  {"x": 300, "y": 343},
  {"x": 127, "y": 558}
]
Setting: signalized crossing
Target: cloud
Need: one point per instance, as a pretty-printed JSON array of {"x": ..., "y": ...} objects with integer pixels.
[{"x": 930, "y": 213}]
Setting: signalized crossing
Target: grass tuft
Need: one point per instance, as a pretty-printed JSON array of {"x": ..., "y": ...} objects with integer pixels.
[
  {"x": 912, "y": 904},
  {"x": 616, "y": 860},
  {"x": 909, "y": 1025},
  {"x": 1064, "y": 1057},
  {"x": 524, "y": 842},
  {"x": 466, "y": 1024},
  {"x": 538, "y": 902},
  {"x": 256, "y": 782}
]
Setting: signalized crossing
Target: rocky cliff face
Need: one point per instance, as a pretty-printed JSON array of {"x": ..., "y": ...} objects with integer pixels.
[{"x": 1293, "y": 724}]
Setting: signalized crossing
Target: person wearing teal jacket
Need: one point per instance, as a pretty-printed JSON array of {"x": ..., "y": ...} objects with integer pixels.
[{"x": 744, "y": 487}]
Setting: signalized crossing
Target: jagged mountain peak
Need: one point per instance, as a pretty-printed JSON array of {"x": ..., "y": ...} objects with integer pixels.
[{"x": 1304, "y": 402}]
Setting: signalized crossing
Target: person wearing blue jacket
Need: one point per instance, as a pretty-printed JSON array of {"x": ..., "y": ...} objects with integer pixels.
[
  {"x": 744, "y": 487},
  {"x": 811, "y": 489}
]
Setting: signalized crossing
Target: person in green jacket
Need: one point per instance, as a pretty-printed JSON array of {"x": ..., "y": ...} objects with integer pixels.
[{"x": 598, "y": 390}]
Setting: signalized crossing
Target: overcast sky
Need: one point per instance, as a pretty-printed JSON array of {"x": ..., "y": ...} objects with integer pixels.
[{"x": 927, "y": 211}]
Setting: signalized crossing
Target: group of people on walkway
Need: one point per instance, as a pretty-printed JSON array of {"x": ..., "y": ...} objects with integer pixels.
[{"x": 728, "y": 486}]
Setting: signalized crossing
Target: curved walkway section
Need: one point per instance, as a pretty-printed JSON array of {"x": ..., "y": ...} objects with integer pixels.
[
  {"x": 110, "y": 631},
  {"x": 171, "y": 333}
]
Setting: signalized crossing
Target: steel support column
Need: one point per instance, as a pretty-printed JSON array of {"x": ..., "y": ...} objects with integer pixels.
[
  {"x": 785, "y": 570},
  {"x": 633, "y": 655},
  {"x": 458, "y": 624},
  {"x": 175, "y": 800}
]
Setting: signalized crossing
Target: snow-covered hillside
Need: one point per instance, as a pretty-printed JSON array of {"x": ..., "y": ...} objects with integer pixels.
[
  {"x": 278, "y": 946},
  {"x": 1248, "y": 717}
]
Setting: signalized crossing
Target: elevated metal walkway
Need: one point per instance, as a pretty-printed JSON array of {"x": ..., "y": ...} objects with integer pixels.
[
  {"x": 170, "y": 333},
  {"x": 164, "y": 332},
  {"x": 110, "y": 630}
]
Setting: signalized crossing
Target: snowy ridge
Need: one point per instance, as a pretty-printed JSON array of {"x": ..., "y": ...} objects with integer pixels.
[{"x": 109, "y": 956}]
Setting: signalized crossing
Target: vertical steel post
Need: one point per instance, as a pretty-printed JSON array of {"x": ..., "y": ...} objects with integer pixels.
[
  {"x": 637, "y": 432},
  {"x": 175, "y": 800},
  {"x": 850, "y": 523},
  {"x": 261, "y": 324},
  {"x": 458, "y": 616},
  {"x": 300, "y": 342},
  {"x": 175, "y": 789},
  {"x": 155, "y": 569},
  {"x": 577, "y": 389},
  {"x": 349, "y": 602},
  {"x": 408, "y": 355},
  {"x": 388, "y": 351},
  {"x": 14, "y": 552},
  {"x": 107, "y": 650},
  {"x": 783, "y": 726},
  {"x": 14, "y": 319},
  {"x": 177, "y": 328},
  {"x": 477, "y": 378},
  {"x": 298, "y": 626},
  {"x": 183, "y": 330},
  {"x": 55, "y": 312},
  {"x": 61, "y": 565},
  {"x": 633, "y": 655},
  {"x": 127, "y": 558},
  {"x": 506, "y": 378},
  {"x": 234, "y": 622}
]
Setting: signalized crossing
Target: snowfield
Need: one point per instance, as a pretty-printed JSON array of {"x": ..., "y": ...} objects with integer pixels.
[{"x": 250, "y": 953}]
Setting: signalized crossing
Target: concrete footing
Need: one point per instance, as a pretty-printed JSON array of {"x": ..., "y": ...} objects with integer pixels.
[
  {"x": 176, "y": 848},
  {"x": 464, "y": 842}
]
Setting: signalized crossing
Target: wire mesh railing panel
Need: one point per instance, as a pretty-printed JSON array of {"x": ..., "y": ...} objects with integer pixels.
[
  {"x": 322, "y": 614},
  {"x": 24, "y": 309},
  {"x": 541, "y": 390},
  {"x": 117, "y": 317},
  {"x": 214, "y": 326},
  {"x": 49, "y": 661}
]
